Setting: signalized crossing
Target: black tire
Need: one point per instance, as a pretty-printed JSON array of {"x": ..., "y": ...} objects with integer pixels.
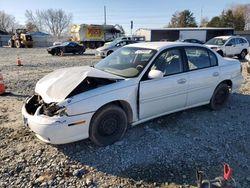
[
  {"x": 108, "y": 125},
  {"x": 220, "y": 97},
  {"x": 242, "y": 54},
  {"x": 221, "y": 53},
  {"x": 81, "y": 52},
  {"x": 57, "y": 51},
  {"x": 18, "y": 44},
  {"x": 109, "y": 52},
  {"x": 61, "y": 52},
  {"x": 53, "y": 52}
]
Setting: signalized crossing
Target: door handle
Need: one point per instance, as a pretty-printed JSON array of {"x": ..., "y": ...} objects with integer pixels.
[
  {"x": 182, "y": 81},
  {"x": 215, "y": 74}
]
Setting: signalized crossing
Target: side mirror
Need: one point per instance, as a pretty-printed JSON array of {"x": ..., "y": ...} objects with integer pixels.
[
  {"x": 155, "y": 74},
  {"x": 229, "y": 44}
]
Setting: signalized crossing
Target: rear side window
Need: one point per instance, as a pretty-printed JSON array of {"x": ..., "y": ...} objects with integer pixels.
[
  {"x": 213, "y": 58},
  {"x": 199, "y": 58},
  {"x": 242, "y": 41}
]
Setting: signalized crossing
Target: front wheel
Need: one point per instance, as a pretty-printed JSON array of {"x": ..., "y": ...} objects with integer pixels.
[
  {"x": 220, "y": 97},
  {"x": 81, "y": 52},
  {"x": 109, "y": 52},
  {"x": 108, "y": 125},
  {"x": 221, "y": 53}
]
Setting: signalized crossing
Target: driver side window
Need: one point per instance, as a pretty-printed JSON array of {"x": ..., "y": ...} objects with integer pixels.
[{"x": 169, "y": 62}]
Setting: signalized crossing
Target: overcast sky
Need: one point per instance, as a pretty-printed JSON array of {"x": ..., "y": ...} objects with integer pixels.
[{"x": 144, "y": 13}]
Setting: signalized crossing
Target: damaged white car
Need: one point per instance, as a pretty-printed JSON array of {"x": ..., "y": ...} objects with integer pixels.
[{"x": 134, "y": 84}]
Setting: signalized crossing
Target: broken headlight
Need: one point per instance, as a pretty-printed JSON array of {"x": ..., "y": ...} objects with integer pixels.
[{"x": 53, "y": 109}]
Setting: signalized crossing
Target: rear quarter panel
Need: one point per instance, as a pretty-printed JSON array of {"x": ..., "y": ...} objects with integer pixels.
[{"x": 230, "y": 69}]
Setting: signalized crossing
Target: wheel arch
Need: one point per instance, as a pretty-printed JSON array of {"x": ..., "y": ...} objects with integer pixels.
[
  {"x": 228, "y": 82},
  {"x": 124, "y": 105}
]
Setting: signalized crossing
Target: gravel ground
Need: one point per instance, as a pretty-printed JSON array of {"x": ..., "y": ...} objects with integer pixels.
[{"x": 164, "y": 152}]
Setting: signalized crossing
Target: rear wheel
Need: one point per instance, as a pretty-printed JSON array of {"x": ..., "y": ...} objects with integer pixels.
[
  {"x": 108, "y": 125},
  {"x": 81, "y": 52},
  {"x": 220, "y": 96},
  {"x": 221, "y": 53},
  {"x": 243, "y": 54}
]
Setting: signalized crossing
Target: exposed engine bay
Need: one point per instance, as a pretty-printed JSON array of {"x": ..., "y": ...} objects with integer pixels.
[{"x": 52, "y": 109}]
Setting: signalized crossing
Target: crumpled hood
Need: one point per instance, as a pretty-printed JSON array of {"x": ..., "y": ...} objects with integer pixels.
[{"x": 57, "y": 85}]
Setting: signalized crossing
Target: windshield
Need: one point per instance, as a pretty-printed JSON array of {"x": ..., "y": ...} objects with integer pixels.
[
  {"x": 126, "y": 62},
  {"x": 216, "y": 41}
]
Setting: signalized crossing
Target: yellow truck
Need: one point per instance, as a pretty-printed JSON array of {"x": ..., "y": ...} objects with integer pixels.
[
  {"x": 21, "y": 39},
  {"x": 94, "y": 36}
]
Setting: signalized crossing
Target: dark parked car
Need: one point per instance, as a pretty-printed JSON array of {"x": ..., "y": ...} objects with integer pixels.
[{"x": 66, "y": 47}]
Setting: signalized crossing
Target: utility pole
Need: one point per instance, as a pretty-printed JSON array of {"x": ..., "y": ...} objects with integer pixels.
[
  {"x": 201, "y": 16},
  {"x": 131, "y": 27},
  {"x": 105, "y": 15}
]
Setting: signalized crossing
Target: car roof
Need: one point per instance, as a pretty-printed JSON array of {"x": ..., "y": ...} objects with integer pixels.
[
  {"x": 227, "y": 37},
  {"x": 161, "y": 45}
]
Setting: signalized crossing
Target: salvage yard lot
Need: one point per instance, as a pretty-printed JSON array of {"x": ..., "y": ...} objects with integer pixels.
[{"x": 164, "y": 152}]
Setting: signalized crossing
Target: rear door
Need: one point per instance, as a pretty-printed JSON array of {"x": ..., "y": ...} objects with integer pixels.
[
  {"x": 166, "y": 94},
  {"x": 203, "y": 74}
]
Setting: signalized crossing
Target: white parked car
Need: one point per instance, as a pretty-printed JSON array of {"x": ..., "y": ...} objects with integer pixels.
[
  {"x": 134, "y": 84},
  {"x": 229, "y": 46},
  {"x": 110, "y": 47}
]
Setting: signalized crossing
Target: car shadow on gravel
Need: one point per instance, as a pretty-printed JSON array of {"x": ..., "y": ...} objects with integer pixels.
[
  {"x": 171, "y": 148},
  {"x": 84, "y": 54},
  {"x": 10, "y": 94}
]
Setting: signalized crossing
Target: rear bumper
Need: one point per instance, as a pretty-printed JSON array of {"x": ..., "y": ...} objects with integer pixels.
[{"x": 237, "y": 81}]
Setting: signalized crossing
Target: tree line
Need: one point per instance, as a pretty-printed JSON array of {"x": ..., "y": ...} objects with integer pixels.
[
  {"x": 237, "y": 17},
  {"x": 53, "y": 21},
  {"x": 57, "y": 21}
]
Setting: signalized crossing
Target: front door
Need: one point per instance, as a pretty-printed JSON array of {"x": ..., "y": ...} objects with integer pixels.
[{"x": 161, "y": 95}]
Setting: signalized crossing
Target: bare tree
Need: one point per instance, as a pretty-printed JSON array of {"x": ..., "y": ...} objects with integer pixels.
[
  {"x": 35, "y": 20},
  {"x": 242, "y": 10},
  {"x": 52, "y": 21},
  {"x": 7, "y": 22}
]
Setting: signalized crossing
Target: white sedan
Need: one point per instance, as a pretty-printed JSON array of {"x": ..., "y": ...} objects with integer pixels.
[{"x": 134, "y": 84}]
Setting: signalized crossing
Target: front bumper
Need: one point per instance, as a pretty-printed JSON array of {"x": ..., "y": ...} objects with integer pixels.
[
  {"x": 58, "y": 129},
  {"x": 101, "y": 54}
]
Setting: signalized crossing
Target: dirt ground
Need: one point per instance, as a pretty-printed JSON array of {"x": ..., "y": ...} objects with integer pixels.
[{"x": 164, "y": 152}]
